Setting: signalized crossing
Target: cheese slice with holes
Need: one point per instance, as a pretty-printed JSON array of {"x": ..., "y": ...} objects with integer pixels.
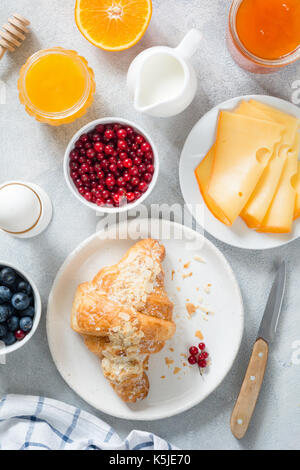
[
  {"x": 296, "y": 184},
  {"x": 290, "y": 122},
  {"x": 280, "y": 215},
  {"x": 262, "y": 196},
  {"x": 202, "y": 173},
  {"x": 243, "y": 148}
]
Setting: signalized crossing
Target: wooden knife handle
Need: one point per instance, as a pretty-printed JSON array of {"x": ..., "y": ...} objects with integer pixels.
[{"x": 245, "y": 404}]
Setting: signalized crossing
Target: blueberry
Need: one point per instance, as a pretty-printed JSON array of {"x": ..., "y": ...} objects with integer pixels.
[
  {"x": 11, "y": 310},
  {"x": 4, "y": 313},
  {"x": 28, "y": 312},
  {"x": 3, "y": 330},
  {"x": 26, "y": 324},
  {"x": 20, "y": 301},
  {"x": 13, "y": 323},
  {"x": 5, "y": 294},
  {"x": 25, "y": 287},
  {"x": 8, "y": 276},
  {"x": 9, "y": 338}
]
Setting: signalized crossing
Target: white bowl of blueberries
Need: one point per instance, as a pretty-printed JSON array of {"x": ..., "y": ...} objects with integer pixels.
[{"x": 20, "y": 308}]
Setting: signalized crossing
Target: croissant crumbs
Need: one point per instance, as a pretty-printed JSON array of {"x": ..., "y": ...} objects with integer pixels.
[{"x": 125, "y": 315}]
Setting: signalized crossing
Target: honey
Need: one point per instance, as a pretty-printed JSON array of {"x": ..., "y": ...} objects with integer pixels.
[
  {"x": 269, "y": 29},
  {"x": 264, "y": 35},
  {"x": 56, "y": 86}
]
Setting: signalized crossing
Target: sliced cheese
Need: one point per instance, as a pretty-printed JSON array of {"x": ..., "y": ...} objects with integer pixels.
[
  {"x": 290, "y": 122},
  {"x": 202, "y": 173},
  {"x": 261, "y": 198},
  {"x": 279, "y": 218},
  {"x": 296, "y": 184},
  {"x": 263, "y": 194},
  {"x": 243, "y": 148}
]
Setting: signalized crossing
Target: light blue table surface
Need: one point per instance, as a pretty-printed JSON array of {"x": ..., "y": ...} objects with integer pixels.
[{"x": 34, "y": 152}]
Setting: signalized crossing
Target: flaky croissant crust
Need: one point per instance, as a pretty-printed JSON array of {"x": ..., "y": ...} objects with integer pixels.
[{"x": 124, "y": 315}]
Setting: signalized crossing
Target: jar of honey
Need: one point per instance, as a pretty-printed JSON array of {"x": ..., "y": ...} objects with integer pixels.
[
  {"x": 56, "y": 86},
  {"x": 264, "y": 35}
]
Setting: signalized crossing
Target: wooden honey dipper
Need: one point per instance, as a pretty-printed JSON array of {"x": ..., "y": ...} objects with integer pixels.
[{"x": 14, "y": 34}]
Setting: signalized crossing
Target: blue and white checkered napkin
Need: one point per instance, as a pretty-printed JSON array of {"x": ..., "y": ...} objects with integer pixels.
[{"x": 28, "y": 422}]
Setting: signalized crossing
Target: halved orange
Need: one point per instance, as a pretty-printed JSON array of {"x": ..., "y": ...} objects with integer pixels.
[{"x": 113, "y": 25}]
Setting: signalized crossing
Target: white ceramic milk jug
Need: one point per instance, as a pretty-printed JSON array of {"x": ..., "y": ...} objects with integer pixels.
[
  {"x": 162, "y": 80},
  {"x": 25, "y": 209}
]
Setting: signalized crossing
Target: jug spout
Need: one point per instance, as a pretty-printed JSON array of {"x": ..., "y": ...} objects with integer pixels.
[
  {"x": 146, "y": 107},
  {"x": 160, "y": 83},
  {"x": 189, "y": 44}
]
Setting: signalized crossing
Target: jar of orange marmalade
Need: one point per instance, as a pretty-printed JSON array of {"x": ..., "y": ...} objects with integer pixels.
[
  {"x": 264, "y": 35},
  {"x": 56, "y": 86}
]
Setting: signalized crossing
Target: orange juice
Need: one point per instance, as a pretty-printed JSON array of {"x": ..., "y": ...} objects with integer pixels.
[
  {"x": 269, "y": 29},
  {"x": 56, "y": 86},
  {"x": 264, "y": 35}
]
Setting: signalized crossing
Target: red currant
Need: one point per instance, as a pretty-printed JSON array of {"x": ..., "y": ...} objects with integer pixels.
[
  {"x": 108, "y": 150},
  {"x": 150, "y": 169},
  {"x": 109, "y": 134},
  {"x": 100, "y": 201},
  {"x": 99, "y": 147},
  {"x": 202, "y": 363},
  {"x": 96, "y": 137},
  {"x": 100, "y": 128},
  {"x": 135, "y": 181},
  {"x": 193, "y": 351},
  {"x": 74, "y": 155},
  {"x": 90, "y": 153},
  {"x": 134, "y": 171},
  {"x": 120, "y": 181},
  {"x": 139, "y": 139},
  {"x": 122, "y": 134},
  {"x": 147, "y": 177},
  {"x": 110, "y": 182},
  {"x": 145, "y": 147},
  {"x": 88, "y": 196},
  {"x": 85, "y": 167},
  {"x": 19, "y": 335},
  {"x": 105, "y": 194},
  {"x": 192, "y": 360},
  {"x": 130, "y": 197},
  {"x": 137, "y": 161},
  {"x": 127, "y": 163},
  {"x": 143, "y": 186},
  {"x": 122, "y": 145}
]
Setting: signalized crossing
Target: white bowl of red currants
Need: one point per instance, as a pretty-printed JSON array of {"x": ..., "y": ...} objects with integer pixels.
[
  {"x": 20, "y": 308},
  {"x": 111, "y": 165}
]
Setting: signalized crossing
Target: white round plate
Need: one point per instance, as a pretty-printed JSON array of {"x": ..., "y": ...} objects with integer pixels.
[
  {"x": 196, "y": 147},
  {"x": 170, "y": 393}
]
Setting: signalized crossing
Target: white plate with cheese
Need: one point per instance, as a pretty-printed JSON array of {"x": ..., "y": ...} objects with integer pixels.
[
  {"x": 196, "y": 274},
  {"x": 197, "y": 145}
]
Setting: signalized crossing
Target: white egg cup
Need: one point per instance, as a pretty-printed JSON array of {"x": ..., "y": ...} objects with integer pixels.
[{"x": 45, "y": 214}]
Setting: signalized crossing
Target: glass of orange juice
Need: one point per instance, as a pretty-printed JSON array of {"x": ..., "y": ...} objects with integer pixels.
[
  {"x": 264, "y": 35},
  {"x": 56, "y": 86}
]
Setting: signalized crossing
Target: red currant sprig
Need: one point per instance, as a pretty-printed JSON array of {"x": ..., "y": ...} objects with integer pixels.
[{"x": 198, "y": 356}]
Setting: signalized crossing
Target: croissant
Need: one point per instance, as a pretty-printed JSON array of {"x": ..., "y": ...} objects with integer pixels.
[{"x": 125, "y": 315}]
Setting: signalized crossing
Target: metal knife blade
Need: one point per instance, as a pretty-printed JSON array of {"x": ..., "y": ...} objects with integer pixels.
[{"x": 268, "y": 326}]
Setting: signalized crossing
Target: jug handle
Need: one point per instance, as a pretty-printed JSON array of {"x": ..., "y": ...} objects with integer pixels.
[{"x": 189, "y": 44}]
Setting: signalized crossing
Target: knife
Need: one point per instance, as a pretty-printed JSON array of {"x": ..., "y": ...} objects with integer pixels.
[{"x": 245, "y": 404}]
